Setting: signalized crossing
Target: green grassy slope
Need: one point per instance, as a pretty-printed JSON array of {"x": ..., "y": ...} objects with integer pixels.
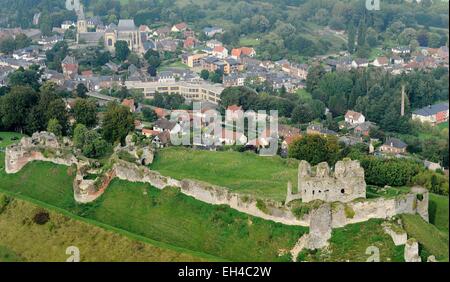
[
  {"x": 50, "y": 241},
  {"x": 438, "y": 212},
  {"x": 174, "y": 218},
  {"x": 264, "y": 177},
  {"x": 431, "y": 240}
]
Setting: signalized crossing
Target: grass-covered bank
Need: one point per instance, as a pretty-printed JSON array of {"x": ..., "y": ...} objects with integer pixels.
[{"x": 22, "y": 239}]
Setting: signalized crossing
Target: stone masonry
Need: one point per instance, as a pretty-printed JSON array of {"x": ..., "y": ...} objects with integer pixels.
[{"x": 344, "y": 184}]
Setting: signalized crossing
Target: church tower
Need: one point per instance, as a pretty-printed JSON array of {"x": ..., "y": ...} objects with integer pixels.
[{"x": 81, "y": 22}]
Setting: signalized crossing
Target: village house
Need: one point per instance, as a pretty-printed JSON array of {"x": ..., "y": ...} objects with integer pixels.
[
  {"x": 353, "y": 117},
  {"x": 189, "y": 43},
  {"x": 360, "y": 63},
  {"x": 363, "y": 129},
  {"x": 179, "y": 27},
  {"x": 213, "y": 43},
  {"x": 394, "y": 146},
  {"x": 233, "y": 113},
  {"x": 70, "y": 67},
  {"x": 234, "y": 79},
  {"x": 130, "y": 104},
  {"x": 67, "y": 25},
  {"x": 162, "y": 32},
  {"x": 220, "y": 52},
  {"x": 193, "y": 60},
  {"x": 169, "y": 45},
  {"x": 211, "y": 31},
  {"x": 232, "y": 66},
  {"x": 434, "y": 114},
  {"x": 149, "y": 132},
  {"x": 401, "y": 50},
  {"x": 237, "y": 53},
  {"x": 164, "y": 125},
  {"x": 319, "y": 130},
  {"x": 381, "y": 62},
  {"x": 161, "y": 140}
]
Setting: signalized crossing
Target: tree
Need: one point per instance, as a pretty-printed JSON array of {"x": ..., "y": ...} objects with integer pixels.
[
  {"x": 117, "y": 122},
  {"x": 315, "y": 149},
  {"x": 151, "y": 70},
  {"x": 89, "y": 142},
  {"x": 149, "y": 114},
  {"x": 302, "y": 114},
  {"x": 122, "y": 50},
  {"x": 30, "y": 77},
  {"x": 81, "y": 90},
  {"x": 54, "y": 127},
  {"x": 204, "y": 74},
  {"x": 153, "y": 58},
  {"x": 85, "y": 112},
  {"x": 351, "y": 39},
  {"x": 15, "y": 107}
]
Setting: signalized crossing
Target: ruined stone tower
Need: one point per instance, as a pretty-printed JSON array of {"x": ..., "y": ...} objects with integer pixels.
[{"x": 344, "y": 184}]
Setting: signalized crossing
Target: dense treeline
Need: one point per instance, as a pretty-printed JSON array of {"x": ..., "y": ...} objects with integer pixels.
[
  {"x": 286, "y": 28},
  {"x": 28, "y": 105},
  {"x": 377, "y": 94}
]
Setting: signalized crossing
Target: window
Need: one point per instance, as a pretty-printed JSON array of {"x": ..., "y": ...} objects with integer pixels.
[{"x": 110, "y": 42}]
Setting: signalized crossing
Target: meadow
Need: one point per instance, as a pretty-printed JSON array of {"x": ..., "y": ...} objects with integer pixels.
[{"x": 246, "y": 173}]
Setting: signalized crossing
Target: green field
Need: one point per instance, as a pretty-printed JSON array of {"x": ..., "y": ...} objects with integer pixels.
[
  {"x": 247, "y": 173},
  {"x": 350, "y": 243}
]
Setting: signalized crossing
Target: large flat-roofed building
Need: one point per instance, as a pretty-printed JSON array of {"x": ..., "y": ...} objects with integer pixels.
[{"x": 190, "y": 91}]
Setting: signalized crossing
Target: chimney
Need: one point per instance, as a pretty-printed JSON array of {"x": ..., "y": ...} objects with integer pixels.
[{"x": 402, "y": 111}]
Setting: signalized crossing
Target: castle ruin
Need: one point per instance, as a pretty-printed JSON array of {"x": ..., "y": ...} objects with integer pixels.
[{"x": 343, "y": 184}]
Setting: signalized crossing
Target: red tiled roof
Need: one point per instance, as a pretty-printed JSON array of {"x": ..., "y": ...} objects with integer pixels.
[
  {"x": 234, "y": 108},
  {"x": 160, "y": 112},
  {"x": 128, "y": 102}
]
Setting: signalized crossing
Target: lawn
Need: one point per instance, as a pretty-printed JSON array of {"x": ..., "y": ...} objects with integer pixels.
[
  {"x": 431, "y": 240},
  {"x": 249, "y": 42},
  {"x": 350, "y": 243},
  {"x": 7, "y": 138},
  {"x": 247, "y": 173}
]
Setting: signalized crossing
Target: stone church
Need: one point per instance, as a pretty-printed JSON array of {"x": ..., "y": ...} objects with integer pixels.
[{"x": 126, "y": 30}]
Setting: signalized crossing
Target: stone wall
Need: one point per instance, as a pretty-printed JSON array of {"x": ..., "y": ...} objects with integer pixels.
[
  {"x": 208, "y": 193},
  {"x": 347, "y": 175},
  {"x": 344, "y": 184},
  {"x": 41, "y": 146}
]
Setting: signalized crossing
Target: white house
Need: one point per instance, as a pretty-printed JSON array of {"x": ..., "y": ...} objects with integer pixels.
[
  {"x": 220, "y": 52},
  {"x": 353, "y": 117}
]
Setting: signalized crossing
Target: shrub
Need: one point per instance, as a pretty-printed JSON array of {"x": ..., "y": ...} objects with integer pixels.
[
  {"x": 41, "y": 218},
  {"x": 261, "y": 205},
  {"x": 433, "y": 181},
  {"x": 4, "y": 201},
  {"x": 349, "y": 212}
]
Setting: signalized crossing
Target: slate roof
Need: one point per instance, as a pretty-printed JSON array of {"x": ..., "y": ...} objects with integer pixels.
[
  {"x": 432, "y": 110},
  {"x": 394, "y": 142},
  {"x": 126, "y": 25}
]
